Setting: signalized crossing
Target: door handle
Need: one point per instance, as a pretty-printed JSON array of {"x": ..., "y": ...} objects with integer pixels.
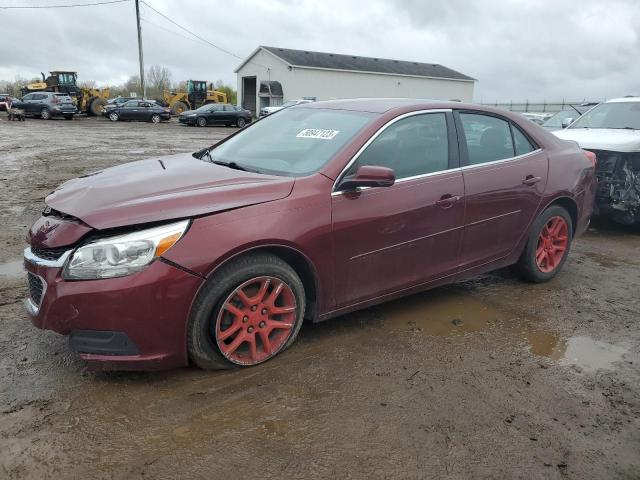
[
  {"x": 447, "y": 201},
  {"x": 531, "y": 180}
]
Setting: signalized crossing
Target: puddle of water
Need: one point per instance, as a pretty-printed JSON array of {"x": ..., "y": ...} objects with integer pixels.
[
  {"x": 589, "y": 354},
  {"x": 451, "y": 314},
  {"x": 443, "y": 315},
  {"x": 11, "y": 269}
]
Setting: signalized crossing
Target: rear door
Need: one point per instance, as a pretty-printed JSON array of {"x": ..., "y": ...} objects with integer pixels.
[
  {"x": 390, "y": 238},
  {"x": 505, "y": 174},
  {"x": 144, "y": 111}
]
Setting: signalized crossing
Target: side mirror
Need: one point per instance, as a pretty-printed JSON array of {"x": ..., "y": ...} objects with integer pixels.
[
  {"x": 369, "y": 176},
  {"x": 566, "y": 122}
]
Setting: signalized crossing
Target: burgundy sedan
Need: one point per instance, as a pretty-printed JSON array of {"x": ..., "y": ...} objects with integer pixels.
[{"x": 216, "y": 258}]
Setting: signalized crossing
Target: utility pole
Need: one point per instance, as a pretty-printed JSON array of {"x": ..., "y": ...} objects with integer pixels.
[{"x": 144, "y": 89}]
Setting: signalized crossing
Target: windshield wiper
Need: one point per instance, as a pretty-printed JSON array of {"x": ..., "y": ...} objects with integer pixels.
[
  {"x": 233, "y": 165},
  {"x": 207, "y": 154}
]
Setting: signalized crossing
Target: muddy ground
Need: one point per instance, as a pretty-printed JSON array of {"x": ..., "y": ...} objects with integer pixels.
[{"x": 490, "y": 378}]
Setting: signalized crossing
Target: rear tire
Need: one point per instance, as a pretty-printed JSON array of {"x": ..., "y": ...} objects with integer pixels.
[
  {"x": 214, "y": 303},
  {"x": 241, "y": 122},
  {"x": 547, "y": 247},
  {"x": 45, "y": 114}
]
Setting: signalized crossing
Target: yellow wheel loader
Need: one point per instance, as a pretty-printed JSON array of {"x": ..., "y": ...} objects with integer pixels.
[
  {"x": 196, "y": 95},
  {"x": 88, "y": 100}
]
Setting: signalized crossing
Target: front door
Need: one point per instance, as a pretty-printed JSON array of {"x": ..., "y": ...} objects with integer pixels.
[
  {"x": 390, "y": 238},
  {"x": 128, "y": 110},
  {"x": 29, "y": 103},
  {"x": 505, "y": 176}
]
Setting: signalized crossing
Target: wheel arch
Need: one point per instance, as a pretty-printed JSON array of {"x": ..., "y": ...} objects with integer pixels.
[
  {"x": 302, "y": 265},
  {"x": 569, "y": 204}
]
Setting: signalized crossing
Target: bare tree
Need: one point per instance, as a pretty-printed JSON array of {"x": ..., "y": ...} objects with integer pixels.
[
  {"x": 132, "y": 85},
  {"x": 87, "y": 84},
  {"x": 158, "y": 80}
]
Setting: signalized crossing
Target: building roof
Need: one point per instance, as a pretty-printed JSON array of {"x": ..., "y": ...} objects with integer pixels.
[{"x": 353, "y": 63}]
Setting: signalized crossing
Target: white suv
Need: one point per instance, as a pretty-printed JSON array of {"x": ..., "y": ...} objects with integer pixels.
[{"x": 612, "y": 131}]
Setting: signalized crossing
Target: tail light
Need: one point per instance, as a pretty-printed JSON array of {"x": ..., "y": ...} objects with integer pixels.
[{"x": 591, "y": 156}]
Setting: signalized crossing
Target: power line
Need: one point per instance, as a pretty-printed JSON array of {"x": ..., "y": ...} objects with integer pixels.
[
  {"x": 191, "y": 39},
  {"x": 191, "y": 33},
  {"x": 28, "y": 7}
]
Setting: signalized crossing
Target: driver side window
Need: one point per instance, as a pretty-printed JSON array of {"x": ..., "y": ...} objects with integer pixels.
[{"x": 413, "y": 146}]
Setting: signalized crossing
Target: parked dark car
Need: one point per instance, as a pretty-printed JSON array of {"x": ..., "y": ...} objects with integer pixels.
[
  {"x": 118, "y": 101},
  {"x": 46, "y": 105},
  {"x": 216, "y": 258},
  {"x": 216, "y": 114},
  {"x": 139, "y": 110}
]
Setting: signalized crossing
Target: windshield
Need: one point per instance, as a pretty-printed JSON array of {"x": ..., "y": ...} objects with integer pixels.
[
  {"x": 296, "y": 142},
  {"x": 556, "y": 120},
  {"x": 611, "y": 115},
  {"x": 290, "y": 103},
  {"x": 205, "y": 108}
]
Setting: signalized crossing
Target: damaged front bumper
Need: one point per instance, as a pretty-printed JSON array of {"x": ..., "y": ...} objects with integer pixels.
[{"x": 618, "y": 194}]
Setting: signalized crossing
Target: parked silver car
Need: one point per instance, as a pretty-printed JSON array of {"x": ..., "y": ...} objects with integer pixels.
[{"x": 47, "y": 105}]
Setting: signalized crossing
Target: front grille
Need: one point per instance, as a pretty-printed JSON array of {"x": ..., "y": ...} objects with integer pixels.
[
  {"x": 36, "y": 288},
  {"x": 48, "y": 253}
]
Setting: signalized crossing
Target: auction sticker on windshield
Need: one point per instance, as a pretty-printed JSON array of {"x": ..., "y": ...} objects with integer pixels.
[{"x": 317, "y": 133}]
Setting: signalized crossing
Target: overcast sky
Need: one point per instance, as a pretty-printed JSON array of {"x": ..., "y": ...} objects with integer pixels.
[{"x": 528, "y": 49}]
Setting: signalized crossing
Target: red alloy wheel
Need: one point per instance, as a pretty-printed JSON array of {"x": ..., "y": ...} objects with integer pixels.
[
  {"x": 552, "y": 244},
  {"x": 256, "y": 320}
]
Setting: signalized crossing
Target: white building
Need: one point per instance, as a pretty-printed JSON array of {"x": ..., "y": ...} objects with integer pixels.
[{"x": 272, "y": 75}]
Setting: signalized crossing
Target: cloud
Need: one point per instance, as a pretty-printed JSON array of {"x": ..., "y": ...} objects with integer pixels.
[{"x": 574, "y": 49}]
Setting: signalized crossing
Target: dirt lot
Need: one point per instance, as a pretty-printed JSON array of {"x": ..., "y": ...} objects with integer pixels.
[{"x": 490, "y": 378}]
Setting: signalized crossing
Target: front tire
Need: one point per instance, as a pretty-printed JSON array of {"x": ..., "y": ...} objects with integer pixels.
[
  {"x": 547, "y": 247},
  {"x": 178, "y": 108},
  {"x": 97, "y": 106},
  {"x": 45, "y": 114},
  {"x": 114, "y": 117},
  {"x": 68, "y": 117},
  {"x": 155, "y": 118},
  {"x": 247, "y": 313},
  {"x": 201, "y": 122}
]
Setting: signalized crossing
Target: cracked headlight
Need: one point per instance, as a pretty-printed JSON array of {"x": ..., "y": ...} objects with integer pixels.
[{"x": 122, "y": 255}]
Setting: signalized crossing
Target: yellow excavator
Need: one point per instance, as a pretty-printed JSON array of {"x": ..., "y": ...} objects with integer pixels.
[
  {"x": 196, "y": 95},
  {"x": 88, "y": 100}
]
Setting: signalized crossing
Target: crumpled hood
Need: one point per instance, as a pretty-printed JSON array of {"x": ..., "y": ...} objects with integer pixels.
[
  {"x": 163, "y": 188},
  {"x": 614, "y": 140}
]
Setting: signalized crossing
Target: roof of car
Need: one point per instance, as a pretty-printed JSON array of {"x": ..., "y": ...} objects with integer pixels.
[
  {"x": 381, "y": 105},
  {"x": 624, "y": 99}
]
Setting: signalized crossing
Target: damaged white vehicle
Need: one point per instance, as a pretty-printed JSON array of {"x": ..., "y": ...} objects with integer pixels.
[{"x": 612, "y": 131}]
